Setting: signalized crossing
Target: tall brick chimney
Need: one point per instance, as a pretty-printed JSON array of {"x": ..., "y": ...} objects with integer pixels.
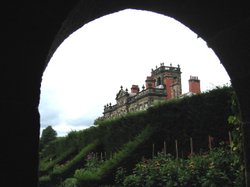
[
  {"x": 150, "y": 82},
  {"x": 194, "y": 84},
  {"x": 135, "y": 89}
]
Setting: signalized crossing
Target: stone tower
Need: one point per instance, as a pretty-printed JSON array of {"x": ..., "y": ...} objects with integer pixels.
[{"x": 167, "y": 77}]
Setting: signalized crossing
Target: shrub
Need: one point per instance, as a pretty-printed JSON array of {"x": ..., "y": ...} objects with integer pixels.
[
  {"x": 69, "y": 182},
  {"x": 220, "y": 167}
]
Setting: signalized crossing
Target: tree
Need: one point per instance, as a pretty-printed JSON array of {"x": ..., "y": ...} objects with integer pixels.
[{"x": 48, "y": 135}]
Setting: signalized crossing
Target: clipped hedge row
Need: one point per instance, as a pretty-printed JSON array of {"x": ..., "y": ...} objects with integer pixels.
[
  {"x": 44, "y": 181},
  {"x": 118, "y": 131},
  {"x": 102, "y": 173},
  {"x": 74, "y": 139},
  {"x": 46, "y": 166},
  {"x": 60, "y": 172},
  {"x": 198, "y": 117}
]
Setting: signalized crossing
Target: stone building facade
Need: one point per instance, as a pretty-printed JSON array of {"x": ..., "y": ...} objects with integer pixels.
[{"x": 163, "y": 84}]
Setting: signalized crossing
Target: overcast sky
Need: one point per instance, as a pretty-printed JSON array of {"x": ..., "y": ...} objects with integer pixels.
[{"x": 87, "y": 70}]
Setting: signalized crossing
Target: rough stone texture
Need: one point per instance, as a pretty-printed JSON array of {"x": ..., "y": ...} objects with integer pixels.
[{"x": 32, "y": 30}]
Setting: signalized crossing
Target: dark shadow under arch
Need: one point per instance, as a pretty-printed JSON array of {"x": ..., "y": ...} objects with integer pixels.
[{"x": 35, "y": 30}]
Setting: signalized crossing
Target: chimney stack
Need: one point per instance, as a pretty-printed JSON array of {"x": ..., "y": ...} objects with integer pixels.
[
  {"x": 135, "y": 89},
  {"x": 194, "y": 85},
  {"x": 150, "y": 82}
]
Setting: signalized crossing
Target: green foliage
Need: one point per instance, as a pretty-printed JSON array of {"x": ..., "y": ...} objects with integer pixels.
[
  {"x": 117, "y": 132},
  {"x": 44, "y": 181},
  {"x": 46, "y": 165},
  {"x": 120, "y": 176},
  {"x": 68, "y": 167},
  {"x": 178, "y": 119},
  {"x": 75, "y": 139},
  {"x": 69, "y": 182},
  {"x": 219, "y": 167},
  {"x": 91, "y": 166},
  {"x": 96, "y": 170},
  {"x": 195, "y": 117},
  {"x": 61, "y": 172},
  {"x": 48, "y": 135},
  {"x": 44, "y": 178},
  {"x": 235, "y": 121}
]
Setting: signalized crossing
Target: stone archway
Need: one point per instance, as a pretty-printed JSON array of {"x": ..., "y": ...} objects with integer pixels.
[{"x": 35, "y": 30}]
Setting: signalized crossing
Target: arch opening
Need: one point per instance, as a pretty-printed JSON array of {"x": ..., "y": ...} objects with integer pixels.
[
  {"x": 35, "y": 30},
  {"x": 236, "y": 81},
  {"x": 119, "y": 46}
]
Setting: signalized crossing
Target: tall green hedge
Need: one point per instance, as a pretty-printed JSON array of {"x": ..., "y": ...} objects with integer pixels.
[{"x": 198, "y": 116}]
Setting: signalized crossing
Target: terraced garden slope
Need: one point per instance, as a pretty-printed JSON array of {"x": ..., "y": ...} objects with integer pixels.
[{"x": 124, "y": 141}]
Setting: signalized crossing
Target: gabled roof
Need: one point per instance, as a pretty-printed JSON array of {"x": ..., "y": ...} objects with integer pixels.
[{"x": 121, "y": 94}]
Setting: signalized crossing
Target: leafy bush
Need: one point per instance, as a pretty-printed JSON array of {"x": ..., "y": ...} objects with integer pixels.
[
  {"x": 69, "y": 182},
  {"x": 92, "y": 164},
  {"x": 219, "y": 167},
  {"x": 48, "y": 135}
]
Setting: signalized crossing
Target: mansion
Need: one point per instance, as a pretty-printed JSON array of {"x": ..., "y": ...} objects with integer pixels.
[{"x": 163, "y": 84}]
